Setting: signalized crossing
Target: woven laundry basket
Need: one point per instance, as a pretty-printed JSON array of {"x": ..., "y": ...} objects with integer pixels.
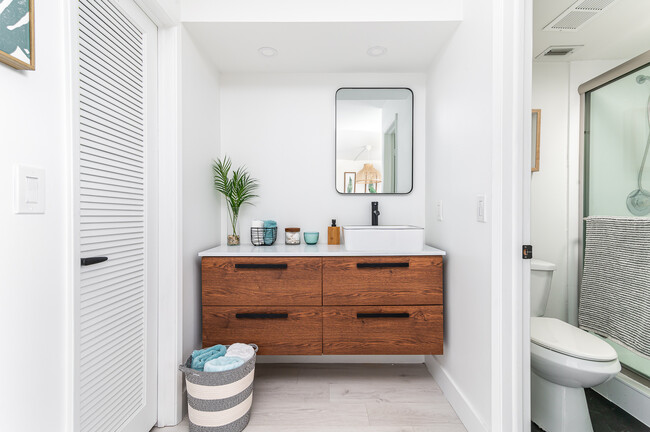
[{"x": 219, "y": 401}]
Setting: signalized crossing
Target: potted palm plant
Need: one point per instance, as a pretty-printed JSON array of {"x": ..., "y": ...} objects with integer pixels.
[{"x": 238, "y": 189}]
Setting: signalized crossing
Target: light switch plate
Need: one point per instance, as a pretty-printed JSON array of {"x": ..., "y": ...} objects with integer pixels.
[
  {"x": 480, "y": 208},
  {"x": 29, "y": 190},
  {"x": 439, "y": 210}
]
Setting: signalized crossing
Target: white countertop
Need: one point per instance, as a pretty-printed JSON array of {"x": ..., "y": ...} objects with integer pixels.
[{"x": 306, "y": 250}]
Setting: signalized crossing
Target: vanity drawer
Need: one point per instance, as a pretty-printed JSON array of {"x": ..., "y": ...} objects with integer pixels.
[
  {"x": 262, "y": 281},
  {"x": 397, "y": 280},
  {"x": 382, "y": 330},
  {"x": 275, "y": 330}
]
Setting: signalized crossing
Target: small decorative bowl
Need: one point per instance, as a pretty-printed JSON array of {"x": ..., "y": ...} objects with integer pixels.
[{"x": 311, "y": 238}]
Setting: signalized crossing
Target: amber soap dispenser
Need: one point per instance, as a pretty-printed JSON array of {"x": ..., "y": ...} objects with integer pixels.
[{"x": 333, "y": 234}]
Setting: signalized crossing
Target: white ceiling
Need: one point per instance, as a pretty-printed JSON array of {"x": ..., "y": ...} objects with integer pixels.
[
  {"x": 334, "y": 47},
  {"x": 621, "y": 31}
]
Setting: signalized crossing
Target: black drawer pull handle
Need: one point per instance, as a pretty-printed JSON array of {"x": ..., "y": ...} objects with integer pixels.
[
  {"x": 384, "y": 315},
  {"x": 262, "y": 315},
  {"x": 261, "y": 266},
  {"x": 382, "y": 265},
  {"x": 93, "y": 260}
]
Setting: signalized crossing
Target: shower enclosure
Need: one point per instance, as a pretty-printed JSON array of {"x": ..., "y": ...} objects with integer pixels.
[{"x": 616, "y": 172}]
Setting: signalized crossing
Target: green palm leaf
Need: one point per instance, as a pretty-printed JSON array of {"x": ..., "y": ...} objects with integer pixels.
[{"x": 238, "y": 189}]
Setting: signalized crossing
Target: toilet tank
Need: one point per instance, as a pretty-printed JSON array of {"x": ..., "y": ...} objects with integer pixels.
[{"x": 541, "y": 276}]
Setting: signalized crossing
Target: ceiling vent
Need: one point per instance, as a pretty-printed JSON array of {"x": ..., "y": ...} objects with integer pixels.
[
  {"x": 578, "y": 14},
  {"x": 558, "y": 51}
]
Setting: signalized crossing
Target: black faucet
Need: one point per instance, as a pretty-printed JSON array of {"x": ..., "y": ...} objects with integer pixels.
[{"x": 375, "y": 213}]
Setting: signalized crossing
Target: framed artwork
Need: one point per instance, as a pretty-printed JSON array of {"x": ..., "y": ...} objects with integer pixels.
[
  {"x": 350, "y": 182},
  {"x": 535, "y": 129},
  {"x": 17, "y": 34}
]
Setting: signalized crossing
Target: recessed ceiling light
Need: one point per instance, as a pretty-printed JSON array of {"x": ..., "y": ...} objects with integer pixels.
[
  {"x": 377, "y": 51},
  {"x": 268, "y": 51}
]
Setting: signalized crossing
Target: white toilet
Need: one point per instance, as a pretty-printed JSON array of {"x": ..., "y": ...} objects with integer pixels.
[{"x": 564, "y": 361}]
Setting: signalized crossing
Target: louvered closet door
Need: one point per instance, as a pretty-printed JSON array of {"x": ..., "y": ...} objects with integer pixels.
[{"x": 117, "y": 159}]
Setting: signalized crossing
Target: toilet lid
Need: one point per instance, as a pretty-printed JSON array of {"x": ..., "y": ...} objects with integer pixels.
[{"x": 564, "y": 338}]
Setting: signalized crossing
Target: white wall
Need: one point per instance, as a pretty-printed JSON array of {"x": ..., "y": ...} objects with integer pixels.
[
  {"x": 201, "y": 205},
  {"x": 555, "y": 188},
  {"x": 35, "y": 260},
  {"x": 320, "y": 11},
  {"x": 458, "y": 168},
  {"x": 171, "y": 7},
  {"x": 549, "y": 188},
  {"x": 281, "y": 126}
]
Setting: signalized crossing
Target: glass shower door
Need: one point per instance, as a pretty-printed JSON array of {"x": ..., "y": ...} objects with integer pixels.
[{"x": 616, "y": 173}]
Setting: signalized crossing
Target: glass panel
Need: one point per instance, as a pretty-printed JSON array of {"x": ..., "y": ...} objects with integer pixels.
[
  {"x": 617, "y": 176},
  {"x": 616, "y": 134}
]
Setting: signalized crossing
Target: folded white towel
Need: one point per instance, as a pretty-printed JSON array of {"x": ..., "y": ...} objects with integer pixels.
[
  {"x": 240, "y": 350},
  {"x": 222, "y": 364}
]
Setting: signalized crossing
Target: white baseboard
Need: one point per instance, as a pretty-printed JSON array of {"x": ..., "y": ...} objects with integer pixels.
[
  {"x": 392, "y": 359},
  {"x": 630, "y": 395},
  {"x": 458, "y": 401}
]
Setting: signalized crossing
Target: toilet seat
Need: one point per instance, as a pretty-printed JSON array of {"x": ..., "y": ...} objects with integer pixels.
[{"x": 563, "y": 338}]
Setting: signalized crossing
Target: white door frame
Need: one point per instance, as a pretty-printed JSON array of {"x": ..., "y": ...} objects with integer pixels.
[
  {"x": 511, "y": 198},
  {"x": 512, "y": 77},
  {"x": 170, "y": 297},
  {"x": 170, "y": 294},
  {"x": 170, "y": 304}
]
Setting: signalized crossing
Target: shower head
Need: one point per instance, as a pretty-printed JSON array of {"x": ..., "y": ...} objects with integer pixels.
[{"x": 640, "y": 79}]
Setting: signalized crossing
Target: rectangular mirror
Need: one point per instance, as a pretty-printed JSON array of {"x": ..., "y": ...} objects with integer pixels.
[{"x": 374, "y": 140}]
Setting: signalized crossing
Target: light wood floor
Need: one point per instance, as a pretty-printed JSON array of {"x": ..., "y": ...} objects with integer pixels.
[{"x": 346, "y": 398}]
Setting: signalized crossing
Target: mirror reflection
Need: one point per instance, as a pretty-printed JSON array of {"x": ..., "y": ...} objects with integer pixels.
[{"x": 374, "y": 140}]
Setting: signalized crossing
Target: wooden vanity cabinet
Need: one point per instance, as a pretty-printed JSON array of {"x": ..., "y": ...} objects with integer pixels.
[
  {"x": 250, "y": 281},
  {"x": 325, "y": 305},
  {"x": 290, "y": 330},
  {"x": 396, "y": 280}
]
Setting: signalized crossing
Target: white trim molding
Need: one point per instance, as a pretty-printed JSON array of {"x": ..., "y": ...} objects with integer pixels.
[
  {"x": 170, "y": 294},
  {"x": 628, "y": 394},
  {"x": 510, "y": 335},
  {"x": 466, "y": 413},
  {"x": 72, "y": 90},
  {"x": 170, "y": 304}
]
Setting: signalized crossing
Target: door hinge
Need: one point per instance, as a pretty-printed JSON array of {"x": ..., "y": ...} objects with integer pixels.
[{"x": 527, "y": 252}]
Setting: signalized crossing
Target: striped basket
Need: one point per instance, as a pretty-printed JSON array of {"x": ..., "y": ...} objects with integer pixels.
[{"x": 219, "y": 401}]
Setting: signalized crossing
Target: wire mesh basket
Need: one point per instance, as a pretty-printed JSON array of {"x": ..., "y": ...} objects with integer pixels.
[{"x": 263, "y": 236}]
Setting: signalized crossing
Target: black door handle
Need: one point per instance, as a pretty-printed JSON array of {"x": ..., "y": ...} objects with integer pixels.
[
  {"x": 93, "y": 260},
  {"x": 261, "y": 266},
  {"x": 262, "y": 315},
  {"x": 382, "y": 265},
  {"x": 384, "y": 315}
]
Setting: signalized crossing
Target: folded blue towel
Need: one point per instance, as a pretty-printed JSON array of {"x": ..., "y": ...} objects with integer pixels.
[
  {"x": 268, "y": 234},
  {"x": 200, "y": 357},
  {"x": 223, "y": 364}
]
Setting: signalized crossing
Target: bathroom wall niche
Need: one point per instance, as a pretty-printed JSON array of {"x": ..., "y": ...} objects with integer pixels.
[{"x": 374, "y": 141}]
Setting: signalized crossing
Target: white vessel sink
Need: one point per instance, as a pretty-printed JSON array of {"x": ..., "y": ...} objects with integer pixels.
[{"x": 383, "y": 238}]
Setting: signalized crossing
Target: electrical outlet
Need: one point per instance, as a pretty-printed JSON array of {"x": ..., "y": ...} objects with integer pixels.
[
  {"x": 439, "y": 210},
  {"x": 480, "y": 208}
]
